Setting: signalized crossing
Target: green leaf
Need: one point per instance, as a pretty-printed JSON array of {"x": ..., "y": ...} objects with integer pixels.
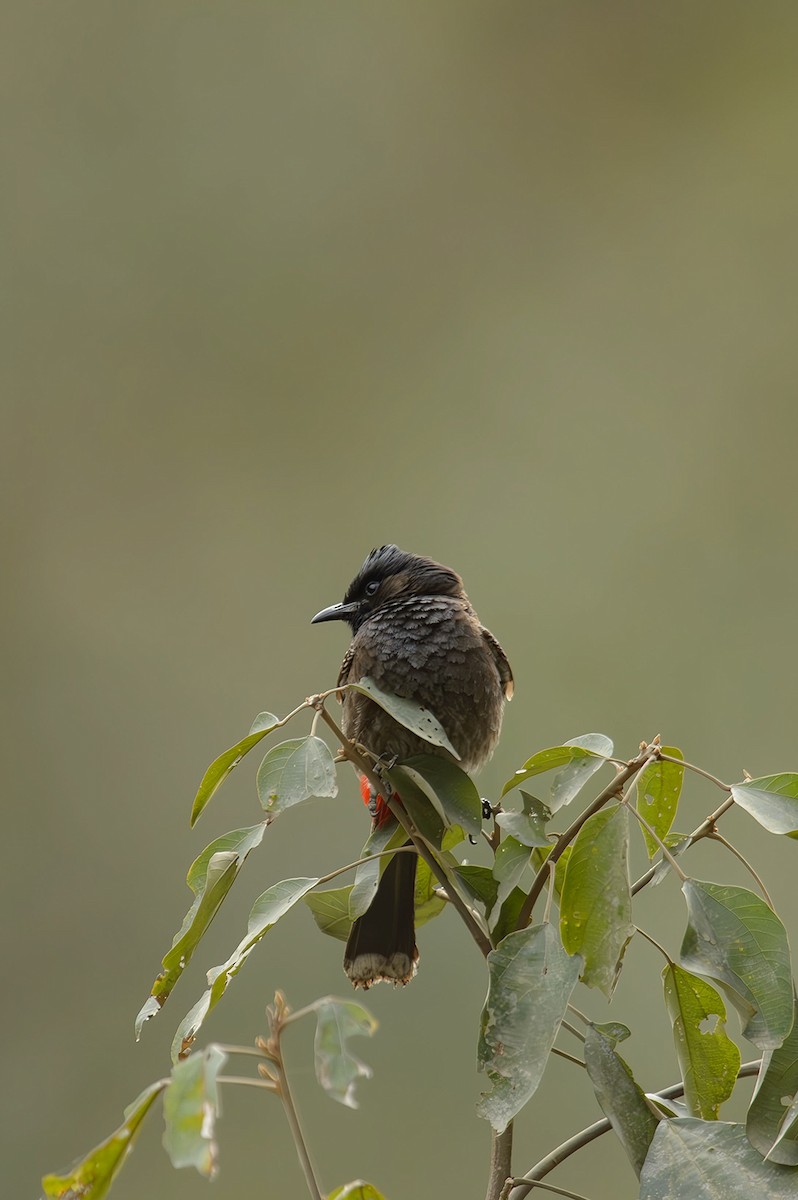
[
  {"x": 708, "y": 1059},
  {"x": 210, "y": 878},
  {"x": 768, "y": 1125},
  {"x": 221, "y": 767},
  {"x": 772, "y": 801},
  {"x": 710, "y": 1160},
  {"x": 389, "y": 835},
  {"x": 511, "y": 859},
  {"x": 427, "y": 903},
  {"x": 330, "y": 909},
  {"x": 596, "y": 900},
  {"x": 422, "y": 812},
  {"x": 508, "y": 916},
  {"x": 479, "y": 883},
  {"x": 337, "y": 1069},
  {"x": 677, "y": 843},
  {"x": 575, "y": 762},
  {"x": 659, "y": 786},
  {"x": 409, "y": 713},
  {"x": 356, "y": 1191},
  {"x": 294, "y": 771},
  {"x": 531, "y": 980},
  {"x": 92, "y": 1177},
  {"x": 267, "y": 910},
  {"x": 450, "y": 789},
  {"x": 737, "y": 940},
  {"x": 621, "y": 1100},
  {"x": 190, "y": 1109},
  {"x": 528, "y": 826}
]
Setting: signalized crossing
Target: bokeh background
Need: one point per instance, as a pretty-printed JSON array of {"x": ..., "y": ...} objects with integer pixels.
[{"x": 510, "y": 284}]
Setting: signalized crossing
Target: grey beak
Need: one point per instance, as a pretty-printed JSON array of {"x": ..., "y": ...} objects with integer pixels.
[{"x": 336, "y": 612}]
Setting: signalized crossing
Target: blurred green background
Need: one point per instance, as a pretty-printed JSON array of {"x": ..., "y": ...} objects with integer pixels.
[{"x": 513, "y": 285}]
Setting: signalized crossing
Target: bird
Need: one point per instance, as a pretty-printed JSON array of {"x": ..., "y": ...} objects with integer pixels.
[{"x": 416, "y": 635}]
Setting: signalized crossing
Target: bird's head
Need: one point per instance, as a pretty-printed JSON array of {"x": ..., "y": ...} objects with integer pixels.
[{"x": 391, "y": 574}]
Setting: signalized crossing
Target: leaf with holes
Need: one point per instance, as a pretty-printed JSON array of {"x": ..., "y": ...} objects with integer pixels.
[
  {"x": 708, "y": 1059},
  {"x": 734, "y": 938},
  {"x": 190, "y": 1109},
  {"x": 409, "y": 713},
  {"x": 267, "y": 910},
  {"x": 528, "y": 826},
  {"x": 91, "y": 1178},
  {"x": 596, "y": 900},
  {"x": 337, "y": 1069},
  {"x": 768, "y": 1124},
  {"x": 531, "y": 979},
  {"x": 210, "y": 878},
  {"x": 575, "y": 761},
  {"x": 659, "y": 786}
]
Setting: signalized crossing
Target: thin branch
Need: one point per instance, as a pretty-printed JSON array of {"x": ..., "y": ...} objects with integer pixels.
[
  {"x": 420, "y": 844},
  {"x": 585, "y": 1020},
  {"x": 501, "y": 1153},
  {"x": 572, "y": 1029},
  {"x": 654, "y": 943},
  {"x": 652, "y": 833},
  {"x": 550, "y": 897},
  {"x": 698, "y": 770},
  {"x": 522, "y": 1187},
  {"x": 549, "y": 1187},
  {"x": 254, "y": 1050},
  {"x": 360, "y": 861},
  {"x": 718, "y": 837},
  {"x": 612, "y": 789},
  {"x": 249, "y": 1081},
  {"x": 299, "y": 1138},
  {"x": 703, "y": 830},
  {"x": 564, "y": 1054}
]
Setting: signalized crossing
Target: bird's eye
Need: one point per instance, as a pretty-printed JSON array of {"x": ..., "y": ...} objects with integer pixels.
[{"x": 372, "y": 587}]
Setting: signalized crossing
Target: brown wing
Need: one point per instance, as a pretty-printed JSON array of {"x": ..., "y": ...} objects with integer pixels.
[
  {"x": 343, "y": 674},
  {"x": 502, "y": 665}
]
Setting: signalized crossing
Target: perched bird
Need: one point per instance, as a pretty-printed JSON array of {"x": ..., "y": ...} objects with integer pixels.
[{"x": 416, "y": 635}]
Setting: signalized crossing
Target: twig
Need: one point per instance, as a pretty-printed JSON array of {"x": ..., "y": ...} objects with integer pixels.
[
  {"x": 420, "y": 844},
  {"x": 523, "y": 1186},
  {"x": 572, "y": 1029},
  {"x": 612, "y": 789},
  {"x": 698, "y": 770},
  {"x": 249, "y": 1081},
  {"x": 299, "y": 1138},
  {"x": 501, "y": 1153},
  {"x": 703, "y": 830},
  {"x": 549, "y": 1187},
  {"x": 654, "y": 943},
  {"x": 550, "y": 897},
  {"x": 585, "y": 1020},
  {"x": 564, "y": 1054},
  {"x": 273, "y": 1050},
  {"x": 254, "y": 1050},
  {"x": 360, "y": 861},
  {"x": 652, "y": 833},
  {"x": 718, "y": 837}
]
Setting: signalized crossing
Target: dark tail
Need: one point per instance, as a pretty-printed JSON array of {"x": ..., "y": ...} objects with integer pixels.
[{"x": 382, "y": 943}]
